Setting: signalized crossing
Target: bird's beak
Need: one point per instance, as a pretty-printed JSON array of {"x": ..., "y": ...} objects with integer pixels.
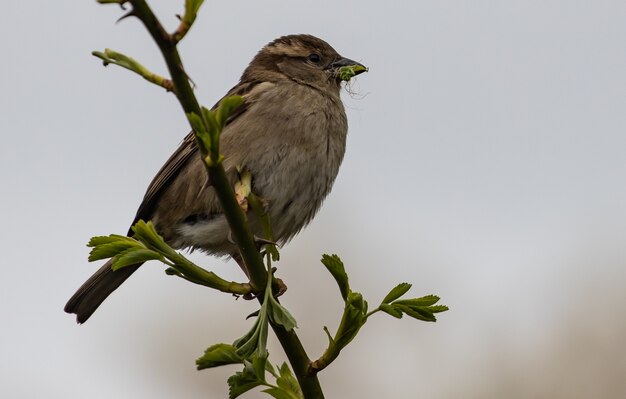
[
  {"x": 343, "y": 62},
  {"x": 346, "y": 69}
]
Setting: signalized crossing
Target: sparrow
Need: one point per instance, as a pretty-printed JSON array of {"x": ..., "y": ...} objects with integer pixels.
[{"x": 290, "y": 134}]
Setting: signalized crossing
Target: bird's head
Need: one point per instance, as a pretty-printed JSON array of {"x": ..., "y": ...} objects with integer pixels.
[{"x": 304, "y": 59}]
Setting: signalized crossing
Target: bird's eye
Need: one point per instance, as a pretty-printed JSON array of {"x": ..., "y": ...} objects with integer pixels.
[{"x": 314, "y": 58}]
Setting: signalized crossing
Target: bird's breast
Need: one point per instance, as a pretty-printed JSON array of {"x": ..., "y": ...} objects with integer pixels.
[{"x": 303, "y": 148}]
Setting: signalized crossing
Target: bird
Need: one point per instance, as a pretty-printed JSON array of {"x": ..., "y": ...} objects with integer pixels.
[{"x": 289, "y": 133}]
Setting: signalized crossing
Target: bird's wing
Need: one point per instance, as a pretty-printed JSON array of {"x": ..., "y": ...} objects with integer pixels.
[{"x": 187, "y": 149}]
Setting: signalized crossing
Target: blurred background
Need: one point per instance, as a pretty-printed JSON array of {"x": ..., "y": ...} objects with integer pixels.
[{"x": 485, "y": 164}]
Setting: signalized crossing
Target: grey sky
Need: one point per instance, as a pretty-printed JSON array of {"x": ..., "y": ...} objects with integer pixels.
[{"x": 486, "y": 163}]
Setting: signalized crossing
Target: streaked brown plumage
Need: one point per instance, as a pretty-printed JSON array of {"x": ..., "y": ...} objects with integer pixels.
[{"x": 290, "y": 134}]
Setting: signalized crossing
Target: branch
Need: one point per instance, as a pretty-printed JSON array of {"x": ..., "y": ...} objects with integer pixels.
[
  {"x": 146, "y": 245},
  {"x": 112, "y": 57}
]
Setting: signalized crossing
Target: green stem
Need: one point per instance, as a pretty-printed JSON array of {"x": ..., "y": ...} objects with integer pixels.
[
  {"x": 113, "y": 57},
  {"x": 200, "y": 276},
  {"x": 181, "y": 266}
]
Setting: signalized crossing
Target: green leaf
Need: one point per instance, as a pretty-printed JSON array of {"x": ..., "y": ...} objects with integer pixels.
[
  {"x": 100, "y": 240},
  {"x": 416, "y": 313},
  {"x": 210, "y": 120},
  {"x": 288, "y": 382},
  {"x": 255, "y": 340},
  {"x": 147, "y": 234},
  {"x": 214, "y": 129},
  {"x": 352, "y": 320},
  {"x": 391, "y": 310},
  {"x": 397, "y": 292},
  {"x": 261, "y": 344},
  {"x": 349, "y": 71},
  {"x": 258, "y": 364},
  {"x": 105, "y": 251},
  {"x": 438, "y": 308},
  {"x": 218, "y": 355},
  {"x": 280, "y": 315},
  {"x": 421, "y": 302},
  {"x": 335, "y": 266},
  {"x": 240, "y": 341},
  {"x": 288, "y": 387},
  {"x": 196, "y": 122},
  {"x": 132, "y": 256},
  {"x": 191, "y": 10},
  {"x": 227, "y": 106},
  {"x": 356, "y": 300},
  {"x": 243, "y": 381},
  {"x": 269, "y": 368},
  {"x": 279, "y": 393},
  {"x": 247, "y": 344}
]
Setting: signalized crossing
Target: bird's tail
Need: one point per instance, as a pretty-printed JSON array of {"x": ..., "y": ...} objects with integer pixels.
[{"x": 95, "y": 290}]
